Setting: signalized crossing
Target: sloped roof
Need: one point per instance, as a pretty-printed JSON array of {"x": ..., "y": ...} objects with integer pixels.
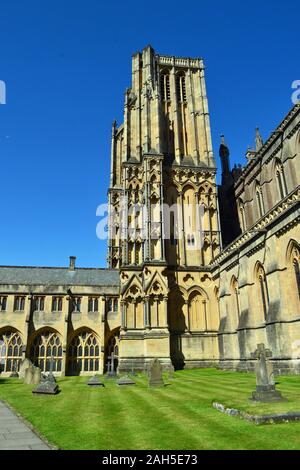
[{"x": 28, "y": 275}]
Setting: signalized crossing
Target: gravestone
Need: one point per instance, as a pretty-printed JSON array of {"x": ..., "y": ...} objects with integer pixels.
[
  {"x": 265, "y": 386},
  {"x": 171, "y": 372},
  {"x": 32, "y": 375},
  {"x": 125, "y": 380},
  {"x": 111, "y": 373},
  {"x": 95, "y": 382},
  {"x": 132, "y": 372},
  {"x": 47, "y": 385},
  {"x": 14, "y": 372},
  {"x": 23, "y": 366},
  {"x": 155, "y": 374}
]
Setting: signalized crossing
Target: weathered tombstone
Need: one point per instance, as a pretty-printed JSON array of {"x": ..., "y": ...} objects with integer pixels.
[
  {"x": 14, "y": 372},
  {"x": 95, "y": 382},
  {"x": 51, "y": 377},
  {"x": 125, "y": 380},
  {"x": 265, "y": 386},
  {"x": 132, "y": 372},
  {"x": 111, "y": 373},
  {"x": 47, "y": 385},
  {"x": 155, "y": 374},
  {"x": 23, "y": 366},
  {"x": 171, "y": 372},
  {"x": 32, "y": 375}
]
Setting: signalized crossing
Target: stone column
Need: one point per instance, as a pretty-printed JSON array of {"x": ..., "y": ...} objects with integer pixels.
[
  {"x": 162, "y": 221},
  {"x": 205, "y": 314},
  {"x": 146, "y": 312},
  {"x": 27, "y": 323},
  {"x": 192, "y": 117},
  {"x": 102, "y": 334},
  {"x": 123, "y": 315},
  {"x": 183, "y": 248},
  {"x": 176, "y": 118},
  {"x": 165, "y": 300},
  {"x": 187, "y": 305},
  {"x": 156, "y": 299},
  {"x": 134, "y": 313},
  {"x": 67, "y": 310}
]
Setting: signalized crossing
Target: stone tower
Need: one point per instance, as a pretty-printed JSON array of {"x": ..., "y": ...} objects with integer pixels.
[{"x": 164, "y": 228}]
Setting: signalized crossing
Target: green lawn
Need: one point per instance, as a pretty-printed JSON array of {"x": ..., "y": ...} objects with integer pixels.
[{"x": 178, "y": 416}]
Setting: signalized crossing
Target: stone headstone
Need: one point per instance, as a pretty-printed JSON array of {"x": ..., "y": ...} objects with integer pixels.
[
  {"x": 32, "y": 375},
  {"x": 95, "y": 382},
  {"x": 171, "y": 372},
  {"x": 125, "y": 380},
  {"x": 265, "y": 386},
  {"x": 23, "y": 366},
  {"x": 14, "y": 372},
  {"x": 155, "y": 374},
  {"x": 111, "y": 372}
]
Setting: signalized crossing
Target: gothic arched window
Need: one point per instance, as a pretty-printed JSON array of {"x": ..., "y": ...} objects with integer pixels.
[
  {"x": 280, "y": 179},
  {"x": 295, "y": 260},
  {"x": 47, "y": 348},
  {"x": 242, "y": 215},
  {"x": 263, "y": 288},
  {"x": 10, "y": 351},
  {"x": 236, "y": 300},
  {"x": 197, "y": 312},
  {"x": 260, "y": 202},
  {"x": 83, "y": 353},
  {"x": 165, "y": 86},
  {"x": 180, "y": 88}
]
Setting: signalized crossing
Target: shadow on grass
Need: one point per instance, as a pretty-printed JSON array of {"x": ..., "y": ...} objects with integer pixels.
[{"x": 8, "y": 380}]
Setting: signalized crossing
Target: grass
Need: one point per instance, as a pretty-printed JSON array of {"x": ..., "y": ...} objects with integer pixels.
[{"x": 178, "y": 416}]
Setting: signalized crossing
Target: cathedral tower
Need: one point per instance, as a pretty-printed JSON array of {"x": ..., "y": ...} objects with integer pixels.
[{"x": 164, "y": 228}]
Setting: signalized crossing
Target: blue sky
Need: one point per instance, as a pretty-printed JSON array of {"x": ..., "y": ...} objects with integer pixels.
[{"x": 66, "y": 64}]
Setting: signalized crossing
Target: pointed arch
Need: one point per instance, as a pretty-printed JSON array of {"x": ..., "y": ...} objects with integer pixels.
[
  {"x": 197, "y": 303},
  {"x": 258, "y": 197},
  {"x": 45, "y": 346},
  {"x": 262, "y": 292},
  {"x": 293, "y": 275},
  {"x": 165, "y": 93},
  {"x": 11, "y": 347},
  {"x": 83, "y": 352},
  {"x": 235, "y": 300},
  {"x": 278, "y": 172}
]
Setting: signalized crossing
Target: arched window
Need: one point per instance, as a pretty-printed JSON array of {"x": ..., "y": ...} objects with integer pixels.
[
  {"x": 242, "y": 215},
  {"x": 280, "y": 179},
  {"x": 180, "y": 88},
  {"x": 10, "y": 351},
  {"x": 263, "y": 291},
  {"x": 112, "y": 351},
  {"x": 47, "y": 349},
  {"x": 165, "y": 86},
  {"x": 295, "y": 259},
  {"x": 260, "y": 202},
  {"x": 197, "y": 312},
  {"x": 236, "y": 301},
  {"x": 83, "y": 353}
]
